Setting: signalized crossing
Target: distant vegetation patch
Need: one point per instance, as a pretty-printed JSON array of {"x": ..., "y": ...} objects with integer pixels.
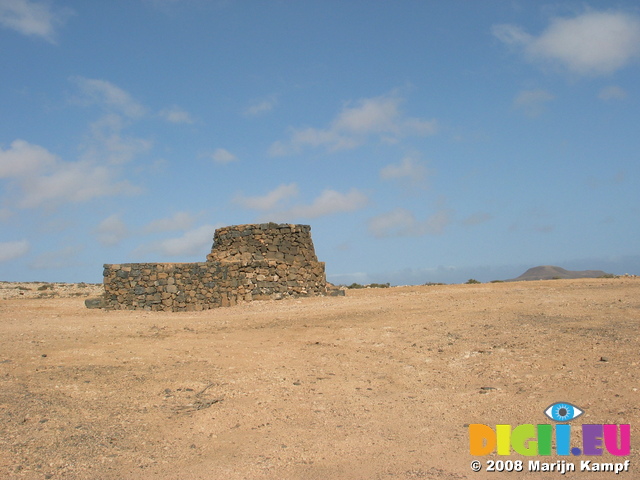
[{"x": 370, "y": 285}]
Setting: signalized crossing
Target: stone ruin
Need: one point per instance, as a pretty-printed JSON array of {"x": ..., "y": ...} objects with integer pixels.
[{"x": 247, "y": 262}]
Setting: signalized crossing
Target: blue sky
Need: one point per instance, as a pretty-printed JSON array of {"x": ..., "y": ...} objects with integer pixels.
[{"x": 423, "y": 141}]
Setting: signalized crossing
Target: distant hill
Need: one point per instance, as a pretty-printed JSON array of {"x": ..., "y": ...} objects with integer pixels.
[{"x": 549, "y": 272}]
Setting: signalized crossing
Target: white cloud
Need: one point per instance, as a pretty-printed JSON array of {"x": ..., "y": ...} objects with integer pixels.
[
  {"x": 104, "y": 93},
  {"x": 402, "y": 223},
  {"x": 419, "y": 127},
  {"x": 13, "y": 250},
  {"x": 593, "y": 43},
  {"x": 112, "y": 230},
  {"x": 193, "y": 242},
  {"x": 106, "y": 141},
  {"x": 73, "y": 182},
  {"x": 39, "y": 19},
  {"x": 532, "y": 102},
  {"x": 409, "y": 171},
  {"x": 270, "y": 200},
  {"x": 261, "y": 107},
  {"x": 612, "y": 92},
  {"x": 511, "y": 35},
  {"x": 398, "y": 222},
  {"x": 176, "y": 115},
  {"x": 178, "y": 221},
  {"x": 108, "y": 144},
  {"x": 329, "y": 202},
  {"x": 23, "y": 158},
  {"x": 44, "y": 179},
  {"x": 222, "y": 156},
  {"x": 370, "y": 115},
  {"x": 379, "y": 117},
  {"x": 313, "y": 137}
]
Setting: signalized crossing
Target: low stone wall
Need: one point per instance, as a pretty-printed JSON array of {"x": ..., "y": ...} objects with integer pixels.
[
  {"x": 247, "y": 262},
  {"x": 162, "y": 286}
]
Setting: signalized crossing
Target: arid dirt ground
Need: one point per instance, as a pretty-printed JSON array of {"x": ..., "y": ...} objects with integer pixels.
[{"x": 380, "y": 384}]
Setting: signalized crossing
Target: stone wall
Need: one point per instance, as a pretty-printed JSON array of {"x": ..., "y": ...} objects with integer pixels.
[
  {"x": 268, "y": 241},
  {"x": 247, "y": 262}
]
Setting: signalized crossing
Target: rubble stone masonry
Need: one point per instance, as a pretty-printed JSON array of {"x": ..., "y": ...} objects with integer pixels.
[{"x": 247, "y": 262}]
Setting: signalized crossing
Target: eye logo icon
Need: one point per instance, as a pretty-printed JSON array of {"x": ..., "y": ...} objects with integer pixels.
[{"x": 562, "y": 412}]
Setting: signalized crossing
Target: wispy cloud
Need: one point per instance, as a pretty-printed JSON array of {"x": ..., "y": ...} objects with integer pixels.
[
  {"x": 544, "y": 228},
  {"x": 261, "y": 107},
  {"x": 176, "y": 115},
  {"x": 22, "y": 159},
  {"x": 593, "y": 43},
  {"x": 477, "y": 219},
  {"x": 409, "y": 172},
  {"x": 39, "y": 19},
  {"x": 111, "y": 231},
  {"x": 104, "y": 93},
  {"x": 178, "y": 221},
  {"x": 270, "y": 200},
  {"x": 378, "y": 117},
  {"x": 329, "y": 202},
  {"x": 535, "y": 219},
  {"x": 166, "y": 6},
  {"x": 403, "y": 223},
  {"x": 612, "y": 92},
  {"x": 63, "y": 258},
  {"x": 603, "y": 181},
  {"x": 532, "y": 102},
  {"x": 191, "y": 243},
  {"x": 13, "y": 250},
  {"x": 222, "y": 156},
  {"x": 73, "y": 182},
  {"x": 43, "y": 179},
  {"x": 107, "y": 142}
]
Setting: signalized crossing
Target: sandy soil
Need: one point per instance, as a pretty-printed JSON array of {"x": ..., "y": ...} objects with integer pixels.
[{"x": 380, "y": 384}]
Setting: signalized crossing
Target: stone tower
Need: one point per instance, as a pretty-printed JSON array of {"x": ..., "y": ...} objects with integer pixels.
[{"x": 247, "y": 262}]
